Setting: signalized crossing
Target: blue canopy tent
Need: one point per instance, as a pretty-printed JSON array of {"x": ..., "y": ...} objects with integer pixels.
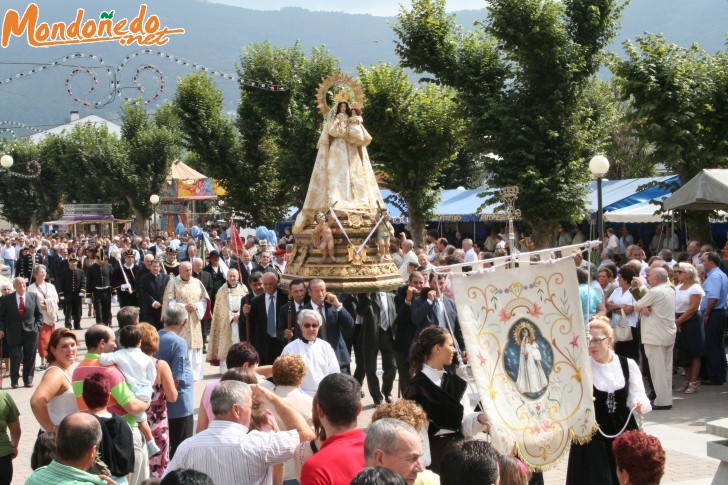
[{"x": 458, "y": 206}]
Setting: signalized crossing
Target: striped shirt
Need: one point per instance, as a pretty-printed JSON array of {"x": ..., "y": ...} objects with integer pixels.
[
  {"x": 229, "y": 454},
  {"x": 58, "y": 474},
  {"x": 120, "y": 393}
]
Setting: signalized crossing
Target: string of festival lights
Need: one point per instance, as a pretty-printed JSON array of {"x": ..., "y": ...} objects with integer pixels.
[{"x": 114, "y": 74}]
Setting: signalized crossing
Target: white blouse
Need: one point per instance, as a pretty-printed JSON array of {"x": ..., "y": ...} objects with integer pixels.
[
  {"x": 609, "y": 378},
  {"x": 620, "y": 297},
  {"x": 682, "y": 297}
]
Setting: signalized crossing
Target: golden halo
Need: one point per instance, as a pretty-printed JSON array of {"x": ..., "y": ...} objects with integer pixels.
[
  {"x": 519, "y": 329},
  {"x": 348, "y": 89}
]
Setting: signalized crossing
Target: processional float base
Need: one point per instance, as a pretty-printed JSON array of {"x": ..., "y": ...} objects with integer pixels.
[{"x": 357, "y": 268}]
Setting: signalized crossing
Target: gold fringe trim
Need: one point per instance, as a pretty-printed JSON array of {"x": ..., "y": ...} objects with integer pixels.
[{"x": 573, "y": 438}]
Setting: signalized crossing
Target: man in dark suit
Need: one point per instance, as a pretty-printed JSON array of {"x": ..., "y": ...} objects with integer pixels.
[
  {"x": 218, "y": 277},
  {"x": 337, "y": 321},
  {"x": 124, "y": 280},
  {"x": 99, "y": 287},
  {"x": 246, "y": 268},
  {"x": 20, "y": 321},
  {"x": 229, "y": 259},
  {"x": 25, "y": 265},
  {"x": 152, "y": 288},
  {"x": 58, "y": 263},
  {"x": 264, "y": 263},
  {"x": 377, "y": 312},
  {"x": 264, "y": 311},
  {"x": 71, "y": 284},
  {"x": 289, "y": 312},
  {"x": 436, "y": 309},
  {"x": 404, "y": 329}
]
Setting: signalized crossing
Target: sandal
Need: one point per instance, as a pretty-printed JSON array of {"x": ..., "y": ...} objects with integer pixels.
[
  {"x": 684, "y": 387},
  {"x": 692, "y": 387}
]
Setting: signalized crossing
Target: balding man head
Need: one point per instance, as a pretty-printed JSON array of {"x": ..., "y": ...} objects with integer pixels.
[
  {"x": 197, "y": 265},
  {"x": 185, "y": 270},
  {"x": 407, "y": 245},
  {"x": 77, "y": 440},
  {"x": 657, "y": 276}
]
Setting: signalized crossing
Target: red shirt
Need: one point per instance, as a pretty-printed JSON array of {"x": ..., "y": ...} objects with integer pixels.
[{"x": 338, "y": 461}]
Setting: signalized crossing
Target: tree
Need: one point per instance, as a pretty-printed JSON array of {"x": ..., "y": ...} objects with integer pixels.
[
  {"x": 264, "y": 157},
  {"x": 27, "y": 202},
  {"x": 521, "y": 76},
  {"x": 416, "y": 135},
  {"x": 152, "y": 143},
  {"x": 680, "y": 97}
]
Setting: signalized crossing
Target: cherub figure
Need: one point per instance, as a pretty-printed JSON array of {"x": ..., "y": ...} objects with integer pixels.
[
  {"x": 323, "y": 237},
  {"x": 384, "y": 230}
]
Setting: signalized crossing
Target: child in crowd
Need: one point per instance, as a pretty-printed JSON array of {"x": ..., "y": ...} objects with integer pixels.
[{"x": 139, "y": 372}]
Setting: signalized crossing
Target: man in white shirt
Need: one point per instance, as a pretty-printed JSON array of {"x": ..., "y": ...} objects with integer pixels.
[
  {"x": 409, "y": 256},
  {"x": 470, "y": 255},
  {"x": 228, "y": 452},
  {"x": 8, "y": 255},
  {"x": 658, "y": 334},
  {"x": 612, "y": 242},
  {"x": 318, "y": 355}
]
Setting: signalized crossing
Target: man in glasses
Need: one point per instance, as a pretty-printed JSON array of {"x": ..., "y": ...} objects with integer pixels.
[{"x": 318, "y": 355}]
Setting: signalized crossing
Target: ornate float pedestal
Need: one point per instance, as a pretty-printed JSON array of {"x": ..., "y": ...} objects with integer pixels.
[{"x": 352, "y": 272}]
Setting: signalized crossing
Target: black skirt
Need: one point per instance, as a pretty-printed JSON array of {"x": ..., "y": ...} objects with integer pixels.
[{"x": 693, "y": 336}]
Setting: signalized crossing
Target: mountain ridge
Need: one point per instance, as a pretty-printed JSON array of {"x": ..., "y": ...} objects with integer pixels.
[{"x": 216, "y": 35}]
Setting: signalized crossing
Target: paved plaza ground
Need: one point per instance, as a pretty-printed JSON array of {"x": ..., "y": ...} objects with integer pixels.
[{"x": 681, "y": 429}]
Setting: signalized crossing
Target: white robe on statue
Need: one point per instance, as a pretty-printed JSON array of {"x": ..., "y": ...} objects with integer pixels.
[
  {"x": 531, "y": 377},
  {"x": 342, "y": 173}
]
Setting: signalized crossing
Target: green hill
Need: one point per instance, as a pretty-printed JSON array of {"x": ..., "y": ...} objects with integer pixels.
[{"x": 216, "y": 34}]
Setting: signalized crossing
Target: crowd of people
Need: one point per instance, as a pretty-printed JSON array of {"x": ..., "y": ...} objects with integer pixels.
[{"x": 286, "y": 407}]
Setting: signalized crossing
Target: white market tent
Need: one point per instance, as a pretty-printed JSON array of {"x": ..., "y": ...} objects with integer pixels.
[
  {"x": 706, "y": 191},
  {"x": 638, "y": 213}
]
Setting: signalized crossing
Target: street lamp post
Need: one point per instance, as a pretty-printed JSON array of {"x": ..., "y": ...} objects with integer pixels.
[
  {"x": 509, "y": 196},
  {"x": 220, "y": 204},
  {"x": 154, "y": 199},
  {"x": 599, "y": 166}
]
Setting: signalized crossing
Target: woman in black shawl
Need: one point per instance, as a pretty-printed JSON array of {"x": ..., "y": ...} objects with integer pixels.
[{"x": 442, "y": 394}]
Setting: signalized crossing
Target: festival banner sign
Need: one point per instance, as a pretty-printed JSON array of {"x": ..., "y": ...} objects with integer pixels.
[{"x": 526, "y": 341}]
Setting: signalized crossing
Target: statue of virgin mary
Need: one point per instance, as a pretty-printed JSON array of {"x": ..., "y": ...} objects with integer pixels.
[{"x": 342, "y": 174}]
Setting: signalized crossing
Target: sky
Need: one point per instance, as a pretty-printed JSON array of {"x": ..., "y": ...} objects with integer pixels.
[{"x": 374, "y": 7}]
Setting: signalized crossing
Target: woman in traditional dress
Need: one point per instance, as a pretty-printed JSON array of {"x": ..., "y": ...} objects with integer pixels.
[
  {"x": 618, "y": 389},
  {"x": 164, "y": 391},
  {"x": 441, "y": 394},
  {"x": 342, "y": 173},
  {"x": 48, "y": 300}
]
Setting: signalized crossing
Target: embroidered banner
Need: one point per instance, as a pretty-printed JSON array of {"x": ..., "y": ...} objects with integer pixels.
[{"x": 527, "y": 347}]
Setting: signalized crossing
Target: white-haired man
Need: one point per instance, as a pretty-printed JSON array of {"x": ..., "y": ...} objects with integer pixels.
[
  {"x": 246, "y": 456},
  {"x": 189, "y": 292},
  {"x": 318, "y": 355},
  {"x": 408, "y": 256}
]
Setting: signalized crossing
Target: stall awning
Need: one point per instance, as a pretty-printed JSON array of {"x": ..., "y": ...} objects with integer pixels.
[
  {"x": 706, "y": 191},
  {"x": 619, "y": 194}
]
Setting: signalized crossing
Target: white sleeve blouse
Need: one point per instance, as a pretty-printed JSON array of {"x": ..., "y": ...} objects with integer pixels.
[{"x": 609, "y": 378}]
